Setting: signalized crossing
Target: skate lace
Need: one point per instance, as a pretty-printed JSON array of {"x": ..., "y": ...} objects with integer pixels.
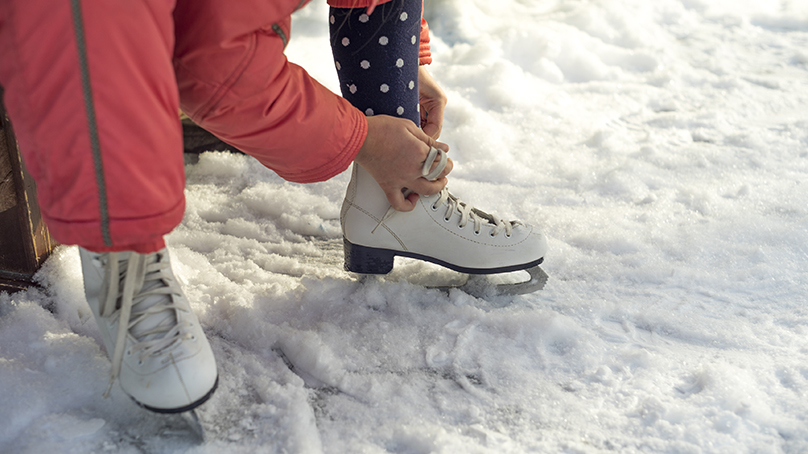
[
  {"x": 140, "y": 297},
  {"x": 467, "y": 212}
]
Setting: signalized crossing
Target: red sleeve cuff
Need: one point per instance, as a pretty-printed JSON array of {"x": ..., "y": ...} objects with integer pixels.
[{"x": 424, "y": 52}]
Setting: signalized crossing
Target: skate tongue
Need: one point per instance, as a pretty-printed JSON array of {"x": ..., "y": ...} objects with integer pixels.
[
  {"x": 154, "y": 314},
  {"x": 473, "y": 210},
  {"x": 143, "y": 296},
  {"x": 483, "y": 215},
  {"x": 476, "y": 215},
  {"x": 488, "y": 217},
  {"x": 156, "y": 324}
]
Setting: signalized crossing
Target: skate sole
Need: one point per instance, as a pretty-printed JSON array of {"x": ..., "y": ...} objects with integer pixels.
[
  {"x": 181, "y": 409},
  {"x": 370, "y": 260}
]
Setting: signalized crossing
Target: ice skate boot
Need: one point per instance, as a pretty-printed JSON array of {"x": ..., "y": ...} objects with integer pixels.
[
  {"x": 157, "y": 347},
  {"x": 441, "y": 229}
]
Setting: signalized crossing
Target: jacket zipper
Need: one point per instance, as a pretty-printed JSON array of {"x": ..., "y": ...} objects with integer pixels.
[{"x": 277, "y": 29}]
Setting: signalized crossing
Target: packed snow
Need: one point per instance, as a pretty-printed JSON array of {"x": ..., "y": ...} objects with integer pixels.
[{"x": 661, "y": 145}]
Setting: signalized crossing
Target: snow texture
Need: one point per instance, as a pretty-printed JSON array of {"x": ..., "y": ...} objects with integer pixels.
[{"x": 663, "y": 148}]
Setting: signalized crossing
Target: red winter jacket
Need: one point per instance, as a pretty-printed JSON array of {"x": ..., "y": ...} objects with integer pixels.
[{"x": 94, "y": 88}]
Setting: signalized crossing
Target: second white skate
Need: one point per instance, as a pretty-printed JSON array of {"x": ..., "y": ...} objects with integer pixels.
[{"x": 442, "y": 230}]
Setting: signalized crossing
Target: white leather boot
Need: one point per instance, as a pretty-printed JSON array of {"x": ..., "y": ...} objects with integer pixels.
[
  {"x": 157, "y": 347},
  {"x": 441, "y": 229}
]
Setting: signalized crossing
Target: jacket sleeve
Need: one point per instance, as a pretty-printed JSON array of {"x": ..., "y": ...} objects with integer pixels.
[{"x": 244, "y": 90}]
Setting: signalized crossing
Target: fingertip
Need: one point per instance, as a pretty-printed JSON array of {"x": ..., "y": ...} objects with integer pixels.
[
  {"x": 411, "y": 201},
  {"x": 427, "y": 187},
  {"x": 401, "y": 203},
  {"x": 449, "y": 166},
  {"x": 431, "y": 130},
  {"x": 405, "y": 206}
]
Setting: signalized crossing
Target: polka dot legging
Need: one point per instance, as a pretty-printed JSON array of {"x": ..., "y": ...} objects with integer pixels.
[{"x": 377, "y": 57}]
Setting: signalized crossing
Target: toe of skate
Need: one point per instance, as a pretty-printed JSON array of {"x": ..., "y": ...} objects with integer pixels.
[{"x": 183, "y": 409}]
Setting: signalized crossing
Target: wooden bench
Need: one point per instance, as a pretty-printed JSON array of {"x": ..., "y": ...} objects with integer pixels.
[{"x": 24, "y": 240}]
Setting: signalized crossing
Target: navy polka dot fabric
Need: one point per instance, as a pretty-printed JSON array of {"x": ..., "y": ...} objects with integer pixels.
[{"x": 377, "y": 57}]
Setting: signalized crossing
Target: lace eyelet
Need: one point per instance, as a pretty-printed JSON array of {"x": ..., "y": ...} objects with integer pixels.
[
  {"x": 434, "y": 208},
  {"x": 460, "y": 227},
  {"x": 477, "y": 232},
  {"x": 508, "y": 236},
  {"x": 492, "y": 235},
  {"x": 129, "y": 353},
  {"x": 447, "y": 219}
]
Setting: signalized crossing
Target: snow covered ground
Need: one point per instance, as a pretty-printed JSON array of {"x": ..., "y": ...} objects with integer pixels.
[{"x": 661, "y": 145}]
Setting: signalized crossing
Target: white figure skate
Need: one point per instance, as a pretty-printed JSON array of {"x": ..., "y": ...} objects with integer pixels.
[
  {"x": 441, "y": 229},
  {"x": 157, "y": 347}
]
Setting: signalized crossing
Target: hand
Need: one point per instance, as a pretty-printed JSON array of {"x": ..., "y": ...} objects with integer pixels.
[
  {"x": 433, "y": 102},
  {"x": 394, "y": 153}
]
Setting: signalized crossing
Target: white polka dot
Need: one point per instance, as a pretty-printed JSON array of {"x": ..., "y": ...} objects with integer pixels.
[
  {"x": 332, "y": 20},
  {"x": 383, "y": 40},
  {"x": 412, "y": 84},
  {"x": 413, "y": 40},
  {"x": 369, "y": 112},
  {"x": 346, "y": 41},
  {"x": 400, "y": 62},
  {"x": 418, "y": 108},
  {"x": 400, "y": 110},
  {"x": 338, "y": 66},
  {"x": 352, "y": 88},
  {"x": 364, "y": 18},
  {"x": 365, "y": 64},
  {"x": 403, "y": 16},
  {"x": 384, "y": 88}
]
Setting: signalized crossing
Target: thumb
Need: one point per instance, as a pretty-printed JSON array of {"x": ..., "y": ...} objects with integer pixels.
[
  {"x": 425, "y": 138},
  {"x": 399, "y": 202},
  {"x": 434, "y": 122}
]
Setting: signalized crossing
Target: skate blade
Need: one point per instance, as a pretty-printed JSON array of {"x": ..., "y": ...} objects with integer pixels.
[
  {"x": 480, "y": 286},
  {"x": 194, "y": 424},
  {"x": 184, "y": 425}
]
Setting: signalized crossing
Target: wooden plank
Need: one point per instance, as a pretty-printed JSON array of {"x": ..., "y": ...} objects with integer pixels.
[
  {"x": 197, "y": 140},
  {"x": 25, "y": 242}
]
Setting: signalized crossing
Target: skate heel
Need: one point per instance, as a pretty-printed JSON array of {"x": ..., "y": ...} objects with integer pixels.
[{"x": 367, "y": 260}]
